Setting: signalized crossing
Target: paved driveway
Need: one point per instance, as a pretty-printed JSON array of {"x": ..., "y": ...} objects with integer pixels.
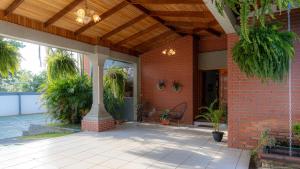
[
  {"x": 12, "y": 126},
  {"x": 127, "y": 147}
]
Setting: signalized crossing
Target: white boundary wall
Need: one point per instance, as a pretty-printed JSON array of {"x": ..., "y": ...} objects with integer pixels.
[{"x": 20, "y": 103}]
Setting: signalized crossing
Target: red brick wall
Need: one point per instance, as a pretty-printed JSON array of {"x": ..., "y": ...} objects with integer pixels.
[
  {"x": 210, "y": 44},
  {"x": 254, "y": 106},
  {"x": 86, "y": 65},
  {"x": 155, "y": 66}
]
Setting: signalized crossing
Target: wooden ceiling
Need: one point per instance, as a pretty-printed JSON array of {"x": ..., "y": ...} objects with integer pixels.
[{"x": 134, "y": 26}]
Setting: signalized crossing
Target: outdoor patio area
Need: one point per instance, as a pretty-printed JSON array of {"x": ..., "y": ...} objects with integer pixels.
[{"x": 131, "y": 146}]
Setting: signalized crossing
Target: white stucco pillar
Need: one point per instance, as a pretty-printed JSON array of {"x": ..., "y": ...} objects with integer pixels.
[{"x": 98, "y": 119}]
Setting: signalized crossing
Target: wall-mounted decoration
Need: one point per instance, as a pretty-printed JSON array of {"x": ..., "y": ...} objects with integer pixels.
[
  {"x": 176, "y": 86},
  {"x": 161, "y": 85}
]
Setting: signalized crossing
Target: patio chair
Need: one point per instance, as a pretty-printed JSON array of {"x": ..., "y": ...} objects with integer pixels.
[
  {"x": 145, "y": 111},
  {"x": 177, "y": 113}
]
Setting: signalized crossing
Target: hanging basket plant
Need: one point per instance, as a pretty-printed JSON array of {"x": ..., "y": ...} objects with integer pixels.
[
  {"x": 161, "y": 85},
  {"x": 176, "y": 86},
  {"x": 266, "y": 52},
  {"x": 263, "y": 51}
]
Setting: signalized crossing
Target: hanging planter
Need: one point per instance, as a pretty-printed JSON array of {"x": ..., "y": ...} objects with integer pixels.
[
  {"x": 161, "y": 85},
  {"x": 176, "y": 86},
  {"x": 266, "y": 53},
  {"x": 263, "y": 51}
]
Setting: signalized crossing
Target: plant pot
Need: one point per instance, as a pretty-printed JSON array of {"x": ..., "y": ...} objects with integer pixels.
[
  {"x": 218, "y": 136},
  {"x": 165, "y": 122}
]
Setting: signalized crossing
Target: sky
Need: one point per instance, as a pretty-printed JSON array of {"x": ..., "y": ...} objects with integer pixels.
[{"x": 30, "y": 58}]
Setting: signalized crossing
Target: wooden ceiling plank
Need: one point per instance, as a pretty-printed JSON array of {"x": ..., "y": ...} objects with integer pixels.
[
  {"x": 13, "y": 6},
  {"x": 167, "y": 2},
  {"x": 138, "y": 34},
  {"x": 154, "y": 39},
  {"x": 197, "y": 14},
  {"x": 148, "y": 12},
  {"x": 124, "y": 26},
  {"x": 62, "y": 12},
  {"x": 103, "y": 16},
  {"x": 62, "y": 32}
]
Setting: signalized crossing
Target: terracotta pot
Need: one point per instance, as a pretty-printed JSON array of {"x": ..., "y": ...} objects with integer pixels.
[{"x": 165, "y": 122}]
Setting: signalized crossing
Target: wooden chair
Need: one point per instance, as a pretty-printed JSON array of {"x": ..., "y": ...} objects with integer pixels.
[{"x": 177, "y": 113}]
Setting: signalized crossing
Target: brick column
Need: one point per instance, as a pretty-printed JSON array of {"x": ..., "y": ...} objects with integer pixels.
[{"x": 98, "y": 119}]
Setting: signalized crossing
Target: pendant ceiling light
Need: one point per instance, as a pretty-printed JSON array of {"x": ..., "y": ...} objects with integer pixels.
[
  {"x": 86, "y": 15},
  {"x": 169, "y": 52}
]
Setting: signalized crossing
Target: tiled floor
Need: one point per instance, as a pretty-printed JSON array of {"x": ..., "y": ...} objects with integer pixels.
[
  {"x": 12, "y": 126},
  {"x": 131, "y": 146}
]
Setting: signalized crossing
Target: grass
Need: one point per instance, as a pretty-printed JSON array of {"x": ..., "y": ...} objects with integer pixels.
[
  {"x": 45, "y": 136},
  {"x": 63, "y": 125}
]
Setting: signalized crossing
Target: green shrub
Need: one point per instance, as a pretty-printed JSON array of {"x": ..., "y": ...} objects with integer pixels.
[
  {"x": 296, "y": 130},
  {"x": 68, "y": 99}
]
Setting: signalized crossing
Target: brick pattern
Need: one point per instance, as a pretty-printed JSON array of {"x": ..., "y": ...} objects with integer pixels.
[
  {"x": 253, "y": 106},
  {"x": 155, "y": 67},
  {"x": 98, "y": 126},
  {"x": 223, "y": 86},
  {"x": 210, "y": 44},
  {"x": 87, "y": 65}
]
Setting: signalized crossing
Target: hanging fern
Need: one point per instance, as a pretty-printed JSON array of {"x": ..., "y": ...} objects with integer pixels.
[
  {"x": 114, "y": 90},
  {"x": 263, "y": 51},
  {"x": 268, "y": 53},
  {"x": 9, "y": 58},
  {"x": 261, "y": 9},
  {"x": 60, "y": 64}
]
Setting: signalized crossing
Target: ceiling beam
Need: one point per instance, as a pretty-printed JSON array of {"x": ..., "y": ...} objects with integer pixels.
[
  {"x": 154, "y": 39},
  {"x": 187, "y": 23},
  {"x": 13, "y": 6},
  {"x": 167, "y": 2},
  {"x": 62, "y": 12},
  {"x": 192, "y": 23},
  {"x": 124, "y": 26},
  {"x": 158, "y": 19},
  {"x": 103, "y": 16},
  {"x": 213, "y": 32},
  {"x": 197, "y": 14},
  {"x": 138, "y": 34},
  {"x": 198, "y": 29}
]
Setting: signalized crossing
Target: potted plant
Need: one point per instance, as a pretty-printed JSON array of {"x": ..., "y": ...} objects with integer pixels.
[
  {"x": 164, "y": 117},
  {"x": 214, "y": 116},
  {"x": 161, "y": 85},
  {"x": 176, "y": 86}
]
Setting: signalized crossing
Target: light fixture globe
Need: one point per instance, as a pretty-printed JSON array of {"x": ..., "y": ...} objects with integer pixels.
[
  {"x": 86, "y": 15},
  {"x": 96, "y": 18},
  {"x": 80, "y": 13}
]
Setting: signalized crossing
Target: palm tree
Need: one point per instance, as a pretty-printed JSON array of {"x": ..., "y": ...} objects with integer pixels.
[
  {"x": 60, "y": 64},
  {"x": 9, "y": 58}
]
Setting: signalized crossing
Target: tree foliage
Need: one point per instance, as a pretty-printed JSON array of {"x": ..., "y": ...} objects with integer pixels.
[
  {"x": 68, "y": 99},
  {"x": 60, "y": 64},
  {"x": 22, "y": 81},
  {"x": 9, "y": 57}
]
